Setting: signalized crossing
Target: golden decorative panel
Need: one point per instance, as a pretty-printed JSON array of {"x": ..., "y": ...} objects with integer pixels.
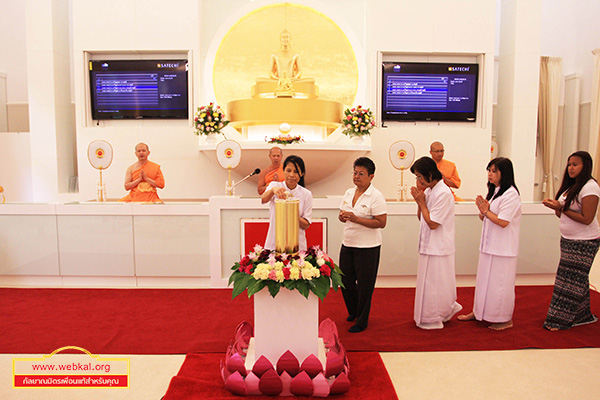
[{"x": 245, "y": 53}]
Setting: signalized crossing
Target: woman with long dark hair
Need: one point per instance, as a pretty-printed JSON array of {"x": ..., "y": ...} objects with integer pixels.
[
  {"x": 435, "y": 295},
  {"x": 500, "y": 212},
  {"x": 292, "y": 185},
  {"x": 575, "y": 204}
]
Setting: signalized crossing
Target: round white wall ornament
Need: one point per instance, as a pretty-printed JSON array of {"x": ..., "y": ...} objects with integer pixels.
[
  {"x": 402, "y": 154},
  {"x": 100, "y": 154},
  {"x": 229, "y": 154}
]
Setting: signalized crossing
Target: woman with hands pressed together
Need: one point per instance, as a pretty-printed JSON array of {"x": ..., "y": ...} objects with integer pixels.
[
  {"x": 575, "y": 204},
  {"x": 293, "y": 184},
  {"x": 435, "y": 296},
  {"x": 363, "y": 211},
  {"x": 500, "y": 212}
]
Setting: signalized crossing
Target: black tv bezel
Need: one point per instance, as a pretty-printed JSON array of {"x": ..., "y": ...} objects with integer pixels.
[
  {"x": 437, "y": 116},
  {"x": 136, "y": 114}
]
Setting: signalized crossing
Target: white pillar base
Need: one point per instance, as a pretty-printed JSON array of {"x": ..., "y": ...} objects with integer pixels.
[{"x": 287, "y": 322}]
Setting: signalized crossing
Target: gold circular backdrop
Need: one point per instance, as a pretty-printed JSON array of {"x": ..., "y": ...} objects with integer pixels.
[{"x": 245, "y": 53}]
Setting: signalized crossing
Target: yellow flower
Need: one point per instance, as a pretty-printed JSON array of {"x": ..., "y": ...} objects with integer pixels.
[
  {"x": 278, "y": 266},
  {"x": 280, "y": 276},
  {"x": 309, "y": 272},
  {"x": 294, "y": 273},
  {"x": 261, "y": 272}
]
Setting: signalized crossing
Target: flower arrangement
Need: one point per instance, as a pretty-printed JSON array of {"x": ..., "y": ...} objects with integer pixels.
[
  {"x": 308, "y": 271},
  {"x": 358, "y": 121},
  {"x": 209, "y": 119},
  {"x": 285, "y": 139}
]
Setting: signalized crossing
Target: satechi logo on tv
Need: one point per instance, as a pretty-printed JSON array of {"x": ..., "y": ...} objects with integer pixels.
[
  {"x": 167, "y": 65},
  {"x": 455, "y": 69}
]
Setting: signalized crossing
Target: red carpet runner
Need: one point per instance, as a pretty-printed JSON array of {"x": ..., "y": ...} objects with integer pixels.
[
  {"x": 181, "y": 321},
  {"x": 199, "y": 379}
]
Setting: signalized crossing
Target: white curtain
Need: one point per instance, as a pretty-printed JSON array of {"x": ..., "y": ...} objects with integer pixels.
[
  {"x": 595, "y": 114},
  {"x": 550, "y": 80}
]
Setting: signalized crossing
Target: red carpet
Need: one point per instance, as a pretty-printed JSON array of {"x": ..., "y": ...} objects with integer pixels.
[
  {"x": 181, "y": 321},
  {"x": 199, "y": 379}
]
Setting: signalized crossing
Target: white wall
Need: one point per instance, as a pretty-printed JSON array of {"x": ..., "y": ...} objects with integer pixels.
[
  {"x": 13, "y": 65},
  {"x": 13, "y": 60},
  {"x": 15, "y": 166},
  {"x": 571, "y": 30},
  {"x": 436, "y": 27},
  {"x": 568, "y": 30},
  {"x": 183, "y": 26},
  {"x": 129, "y": 25}
]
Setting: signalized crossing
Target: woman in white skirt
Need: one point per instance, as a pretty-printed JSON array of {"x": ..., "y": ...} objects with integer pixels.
[
  {"x": 435, "y": 296},
  {"x": 500, "y": 212}
]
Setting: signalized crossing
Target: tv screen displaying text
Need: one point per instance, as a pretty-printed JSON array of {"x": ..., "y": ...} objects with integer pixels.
[
  {"x": 139, "y": 89},
  {"x": 422, "y": 91}
]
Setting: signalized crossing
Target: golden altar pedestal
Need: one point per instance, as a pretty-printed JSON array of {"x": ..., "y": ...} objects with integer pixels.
[{"x": 295, "y": 111}]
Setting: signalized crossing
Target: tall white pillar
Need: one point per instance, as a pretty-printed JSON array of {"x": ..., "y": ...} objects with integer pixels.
[
  {"x": 518, "y": 87},
  {"x": 571, "y": 120},
  {"x": 51, "y": 116},
  {"x": 3, "y": 103}
]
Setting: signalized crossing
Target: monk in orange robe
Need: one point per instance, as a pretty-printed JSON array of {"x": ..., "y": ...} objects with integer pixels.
[
  {"x": 274, "y": 172},
  {"x": 447, "y": 168},
  {"x": 143, "y": 178}
]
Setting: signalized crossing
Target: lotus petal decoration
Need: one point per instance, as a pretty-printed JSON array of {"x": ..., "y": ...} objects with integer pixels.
[
  {"x": 236, "y": 364},
  {"x": 270, "y": 383},
  {"x": 312, "y": 366},
  {"x": 288, "y": 363},
  {"x": 340, "y": 385},
  {"x": 235, "y": 384},
  {"x": 252, "y": 382},
  {"x": 261, "y": 366},
  {"x": 302, "y": 385}
]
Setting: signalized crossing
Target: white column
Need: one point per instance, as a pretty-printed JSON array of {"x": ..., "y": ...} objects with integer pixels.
[
  {"x": 570, "y": 121},
  {"x": 3, "y": 111},
  {"x": 51, "y": 116},
  {"x": 518, "y": 83}
]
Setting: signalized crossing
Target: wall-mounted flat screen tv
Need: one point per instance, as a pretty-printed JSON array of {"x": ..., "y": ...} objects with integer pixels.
[
  {"x": 429, "y": 91},
  {"x": 139, "y": 89}
]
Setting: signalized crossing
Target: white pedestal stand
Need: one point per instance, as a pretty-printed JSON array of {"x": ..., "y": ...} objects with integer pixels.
[{"x": 287, "y": 322}]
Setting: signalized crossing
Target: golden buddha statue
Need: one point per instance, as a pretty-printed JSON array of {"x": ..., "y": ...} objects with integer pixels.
[
  {"x": 285, "y": 74},
  {"x": 284, "y": 96}
]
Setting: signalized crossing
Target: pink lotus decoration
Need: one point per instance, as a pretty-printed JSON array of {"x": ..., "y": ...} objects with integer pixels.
[{"x": 288, "y": 377}]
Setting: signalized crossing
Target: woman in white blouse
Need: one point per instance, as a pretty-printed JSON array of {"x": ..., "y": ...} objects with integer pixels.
[
  {"x": 293, "y": 184},
  {"x": 575, "y": 204},
  {"x": 500, "y": 212},
  {"x": 435, "y": 295},
  {"x": 363, "y": 211}
]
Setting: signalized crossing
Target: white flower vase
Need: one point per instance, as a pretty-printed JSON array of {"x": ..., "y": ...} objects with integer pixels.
[
  {"x": 211, "y": 138},
  {"x": 356, "y": 139}
]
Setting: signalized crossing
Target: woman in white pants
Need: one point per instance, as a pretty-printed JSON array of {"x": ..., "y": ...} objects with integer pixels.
[{"x": 500, "y": 212}]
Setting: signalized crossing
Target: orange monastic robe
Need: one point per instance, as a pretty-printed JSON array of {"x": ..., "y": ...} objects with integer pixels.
[
  {"x": 144, "y": 192},
  {"x": 269, "y": 175},
  {"x": 448, "y": 169}
]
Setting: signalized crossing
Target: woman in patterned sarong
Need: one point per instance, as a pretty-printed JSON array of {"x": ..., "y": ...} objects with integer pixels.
[{"x": 575, "y": 204}]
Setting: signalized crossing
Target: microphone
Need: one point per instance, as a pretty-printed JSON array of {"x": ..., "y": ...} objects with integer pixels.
[{"x": 256, "y": 171}]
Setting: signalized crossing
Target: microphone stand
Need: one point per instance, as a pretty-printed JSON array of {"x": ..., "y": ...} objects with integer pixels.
[{"x": 230, "y": 187}]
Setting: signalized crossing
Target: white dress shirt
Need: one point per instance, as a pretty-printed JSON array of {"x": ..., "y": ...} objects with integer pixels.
[
  {"x": 440, "y": 203},
  {"x": 369, "y": 204}
]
